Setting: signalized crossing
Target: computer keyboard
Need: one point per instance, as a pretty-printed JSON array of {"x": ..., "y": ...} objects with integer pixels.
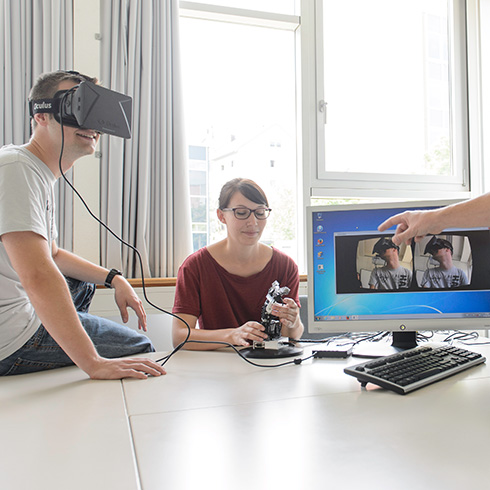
[{"x": 414, "y": 368}]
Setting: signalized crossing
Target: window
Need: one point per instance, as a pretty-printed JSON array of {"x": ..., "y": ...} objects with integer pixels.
[
  {"x": 387, "y": 94},
  {"x": 240, "y": 110},
  {"x": 391, "y": 116}
]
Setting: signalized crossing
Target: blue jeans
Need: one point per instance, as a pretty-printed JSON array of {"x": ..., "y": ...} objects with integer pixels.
[{"x": 111, "y": 340}]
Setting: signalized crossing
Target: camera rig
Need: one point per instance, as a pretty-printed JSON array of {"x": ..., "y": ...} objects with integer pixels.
[
  {"x": 273, "y": 347},
  {"x": 271, "y": 322}
]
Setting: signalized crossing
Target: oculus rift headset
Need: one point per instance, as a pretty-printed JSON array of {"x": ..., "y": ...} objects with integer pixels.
[
  {"x": 435, "y": 244},
  {"x": 89, "y": 106},
  {"x": 382, "y": 245},
  {"x": 380, "y": 248}
]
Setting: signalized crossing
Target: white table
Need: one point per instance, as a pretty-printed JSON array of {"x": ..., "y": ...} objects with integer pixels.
[
  {"x": 61, "y": 430},
  {"x": 216, "y": 422}
]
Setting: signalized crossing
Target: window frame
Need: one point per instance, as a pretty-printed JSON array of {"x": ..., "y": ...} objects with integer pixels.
[
  {"x": 466, "y": 134},
  {"x": 238, "y": 16}
]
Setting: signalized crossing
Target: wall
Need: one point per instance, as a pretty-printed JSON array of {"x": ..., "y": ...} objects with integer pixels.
[{"x": 86, "y": 171}]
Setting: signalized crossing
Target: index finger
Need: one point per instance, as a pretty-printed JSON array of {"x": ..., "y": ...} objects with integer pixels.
[
  {"x": 393, "y": 221},
  {"x": 255, "y": 325},
  {"x": 291, "y": 303},
  {"x": 145, "y": 366}
]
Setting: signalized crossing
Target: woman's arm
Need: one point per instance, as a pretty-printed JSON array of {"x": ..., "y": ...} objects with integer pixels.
[{"x": 241, "y": 336}]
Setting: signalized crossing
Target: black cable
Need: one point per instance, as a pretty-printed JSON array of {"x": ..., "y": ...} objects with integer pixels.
[
  {"x": 121, "y": 240},
  {"x": 425, "y": 336},
  {"x": 465, "y": 337},
  {"x": 453, "y": 335},
  {"x": 294, "y": 361},
  {"x": 352, "y": 338},
  {"x": 136, "y": 251}
]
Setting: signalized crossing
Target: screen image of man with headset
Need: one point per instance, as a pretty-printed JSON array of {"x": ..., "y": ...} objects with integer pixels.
[
  {"x": 445, "y": 274},
  {"x": 391, "y": 275}
]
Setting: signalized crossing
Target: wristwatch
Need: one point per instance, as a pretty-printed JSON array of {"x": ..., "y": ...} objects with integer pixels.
[{"x": 110, "y": 277}]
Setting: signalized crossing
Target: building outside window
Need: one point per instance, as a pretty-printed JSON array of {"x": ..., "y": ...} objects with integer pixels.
[{"x": 198, "y": 180}]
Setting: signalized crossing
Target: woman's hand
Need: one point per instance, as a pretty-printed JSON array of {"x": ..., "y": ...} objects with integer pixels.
[
  {"x": 288, "y": 313},
  {"x": 247, "y": 334}
]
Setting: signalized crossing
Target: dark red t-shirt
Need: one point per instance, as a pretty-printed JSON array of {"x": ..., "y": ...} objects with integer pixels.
[{"x": 223, "y": 300}]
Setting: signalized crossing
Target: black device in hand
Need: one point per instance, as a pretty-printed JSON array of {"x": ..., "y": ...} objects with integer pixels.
[{"x": 271, "y": 322}]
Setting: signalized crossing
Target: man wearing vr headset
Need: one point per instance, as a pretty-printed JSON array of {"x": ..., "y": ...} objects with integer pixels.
[
  {"x": 446, "y": 274},
  {"x": 391, "y": 275},
  {"x": 41, "y": 325}
]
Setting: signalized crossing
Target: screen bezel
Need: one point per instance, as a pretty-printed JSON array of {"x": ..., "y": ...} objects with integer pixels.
[{"x": 384, "y": 324}]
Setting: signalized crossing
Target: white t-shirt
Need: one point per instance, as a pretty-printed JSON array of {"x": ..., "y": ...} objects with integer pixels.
[
  {"x": 440, "y": 278},
  {"x": 26, "y": 204},
  {"x": 389, "y": 279}
]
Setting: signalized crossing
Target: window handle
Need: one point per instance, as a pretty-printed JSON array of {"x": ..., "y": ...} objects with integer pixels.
[{"x": 322, "y": 107}]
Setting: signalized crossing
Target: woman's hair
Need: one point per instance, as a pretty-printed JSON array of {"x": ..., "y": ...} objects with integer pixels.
[{"x": 245, "y": 186}]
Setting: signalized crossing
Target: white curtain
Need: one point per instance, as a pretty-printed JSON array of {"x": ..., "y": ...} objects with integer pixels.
[
  {"x": 144, "y": 180},
  {"x": 37, "y": 37}
]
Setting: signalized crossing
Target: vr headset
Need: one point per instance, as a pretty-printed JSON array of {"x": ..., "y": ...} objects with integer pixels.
[
  {"x": 89, "y": 106},
  {"x": 382, "y": 245},
  {"x": 435, "y": 244}
]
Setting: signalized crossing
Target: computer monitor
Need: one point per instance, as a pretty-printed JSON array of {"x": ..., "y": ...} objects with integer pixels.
[{"x": 358, "y": 281}]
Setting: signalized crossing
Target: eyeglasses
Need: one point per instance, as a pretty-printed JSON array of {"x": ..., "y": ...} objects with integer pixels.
[{"x": 244, "y": 213}]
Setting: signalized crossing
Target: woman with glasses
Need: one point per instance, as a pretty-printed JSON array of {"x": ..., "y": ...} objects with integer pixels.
[{"x": 223, "y": 286}]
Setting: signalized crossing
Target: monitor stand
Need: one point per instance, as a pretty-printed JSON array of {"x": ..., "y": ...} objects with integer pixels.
[
  {"x": 401, "y": 341},
  {"x": 272, "y": 350}
]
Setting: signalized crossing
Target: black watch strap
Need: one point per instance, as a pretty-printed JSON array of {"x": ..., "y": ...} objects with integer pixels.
[{"x": 110, "y": 277}]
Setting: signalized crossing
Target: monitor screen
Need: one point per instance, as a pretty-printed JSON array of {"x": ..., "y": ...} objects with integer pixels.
[{"x": 359, "y": 281}]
